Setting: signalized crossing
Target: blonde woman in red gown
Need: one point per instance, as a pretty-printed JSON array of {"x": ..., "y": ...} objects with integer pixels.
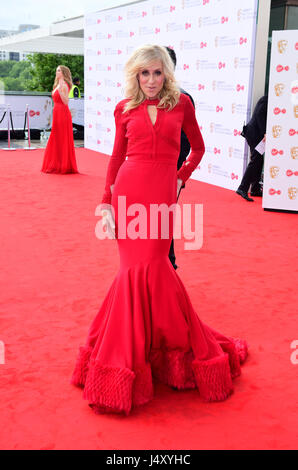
[
  {"x": 59, "y": 156},
  {"x": 146, "y": 328}
]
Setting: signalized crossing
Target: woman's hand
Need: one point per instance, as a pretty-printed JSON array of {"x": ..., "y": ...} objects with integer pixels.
[
  {"x": 63, "y": 90},
  {"x": 179, "y": 184},
  {"x": 108, "y": 222},
  {"x": 61, "y": 83}
]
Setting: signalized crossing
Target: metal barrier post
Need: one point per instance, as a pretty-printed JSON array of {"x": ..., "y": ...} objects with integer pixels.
[
  {"x": 28, "y": 125},
  {"x": 8, "y": 129}
]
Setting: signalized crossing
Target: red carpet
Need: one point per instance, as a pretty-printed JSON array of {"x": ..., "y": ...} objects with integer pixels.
[{"x": 54, "y": 274}]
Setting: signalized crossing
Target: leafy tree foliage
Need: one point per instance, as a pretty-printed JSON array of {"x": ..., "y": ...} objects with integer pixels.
[
  {"x": 44, "y": 69},
  {"x": 37, "y": 73}
]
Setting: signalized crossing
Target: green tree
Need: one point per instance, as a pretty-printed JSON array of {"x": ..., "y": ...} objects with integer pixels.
[
  {"x": 43, "y": 69},
  {"x": 5, "y": 67},
  {"x": 13, "y": 84}
]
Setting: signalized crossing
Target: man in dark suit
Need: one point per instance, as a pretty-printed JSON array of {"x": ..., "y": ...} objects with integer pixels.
[
  {"x": 184, "y": 151},
  {"x": 254, "y": 132}
]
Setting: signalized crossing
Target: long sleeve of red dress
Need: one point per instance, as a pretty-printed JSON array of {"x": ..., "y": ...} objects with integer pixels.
[
  {"x": 193, "y": 133},
  {"x": 118, "y": 154},
  {"x": 133, "y": 139}
]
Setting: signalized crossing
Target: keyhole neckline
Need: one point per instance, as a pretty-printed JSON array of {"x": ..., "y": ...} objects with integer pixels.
[{"x": 149, "y": 102}]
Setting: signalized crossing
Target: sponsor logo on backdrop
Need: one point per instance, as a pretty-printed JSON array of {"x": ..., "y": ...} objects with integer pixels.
[
  {"x": 220, "y": 129},
  {"x": 121, "y": 34},
  {"x": 225, "y": 41},
  {"x": 34, "y": 113},
  {"x": 195, "y": 3},
  {"x": 294, "y": 153},
  {"x": 274, "y": 171},
  {"x": 90, "y": 21},
  {"x": 243, "y": 63},
  {"x": 281, "y": 68},
  {"x": 170, "y": 27},
  {"x": 279, "y": 89},
  {"x": 276, "y": 131},
  {"x": 245, "y": 14},
  {"x": 90, "y": 52},
  {"x": 112, "y": 51},
  {"x": 274, "y": 192},
  {"x": 292, "y": 193},
  {"x": 290, "y": 173},
  {"x": 189, "y": 45},
  {"x": 282, "y": 46},
  {"x": 239, "y": 109},
  {"x": 242, "y": 41},
  {"x": 277, "y": 111},
  {"x": 276, "y": 152},
  {"x": 113, "y": 18},
  {"x": 136, "y": 14},
  {"x": 161, "y": 10}
]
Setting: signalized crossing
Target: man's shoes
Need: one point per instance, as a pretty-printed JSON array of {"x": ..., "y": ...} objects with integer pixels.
[
  {"x": 257, "y": 193},
  {"x": 244, "y": 195}
]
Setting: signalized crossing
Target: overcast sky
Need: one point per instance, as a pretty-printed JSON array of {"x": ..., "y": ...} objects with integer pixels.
[{"x": 44, "y": 12}]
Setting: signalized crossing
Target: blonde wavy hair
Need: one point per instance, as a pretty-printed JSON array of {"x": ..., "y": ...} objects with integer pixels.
[
  {"x": 66, "y": 75},
  {"x": 141, "y": 58}
]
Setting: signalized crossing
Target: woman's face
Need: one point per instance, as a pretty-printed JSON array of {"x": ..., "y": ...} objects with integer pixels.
[
  {"x": 151, "y": 79},
  {"x": 59, "y": 73}
]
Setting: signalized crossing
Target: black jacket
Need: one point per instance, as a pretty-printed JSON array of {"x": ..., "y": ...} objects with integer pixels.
[
  {"x": 185, "y": 145},
  {"x": 255, "y": 129}
]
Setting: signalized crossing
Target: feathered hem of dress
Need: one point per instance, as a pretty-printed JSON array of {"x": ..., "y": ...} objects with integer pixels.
[{"x": 111, "y": 389}]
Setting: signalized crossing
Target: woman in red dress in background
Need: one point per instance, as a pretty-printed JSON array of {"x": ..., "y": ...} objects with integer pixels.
[
  {"x": 146, "y": 327},
  {"x": 59, "y": 156}
]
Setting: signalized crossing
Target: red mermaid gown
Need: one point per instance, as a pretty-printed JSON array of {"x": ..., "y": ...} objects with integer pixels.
[
  {"x": 146, "y": 327},
  {"x": 59, "y": 156}
]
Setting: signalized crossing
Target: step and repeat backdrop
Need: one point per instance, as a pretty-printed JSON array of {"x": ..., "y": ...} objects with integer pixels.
[
  {"x": 215, "y": 44},
  {"x": 281, "y": 159}
]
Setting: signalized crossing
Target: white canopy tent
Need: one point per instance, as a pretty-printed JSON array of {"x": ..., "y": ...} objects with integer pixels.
[{"x": 63, "y": 37}]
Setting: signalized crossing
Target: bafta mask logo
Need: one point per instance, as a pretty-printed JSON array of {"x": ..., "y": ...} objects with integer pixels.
[
  {"x": 233, "y": 108},
  {"x": 200, "y": 22},
  {"x": 216, "y": 40},
  {"x": 276, "y": 131},
  {"x": 279, "y": 89},
  {"x": 231, "y": 152},
  {"x": 282, "y": 46},
  {"x": 274, "y": 171},
  {"x": 236, "y": 62},
  {"x": 294, "y": 153},
  {"x": 214, "y": 85},
  {"x": 239, "y": 13},
  {"x": 198, "y": 65},
  {"x": 296, "y": 111},
  {"x": 209, "y": 167},
  {"x": 211, "y": 127},
  {"x": 292, "y": 193}
]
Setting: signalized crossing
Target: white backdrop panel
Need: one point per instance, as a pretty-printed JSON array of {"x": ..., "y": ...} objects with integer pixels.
[
  {"x": 214, "y": 41},
  {"x": 281, "y": 159}
]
